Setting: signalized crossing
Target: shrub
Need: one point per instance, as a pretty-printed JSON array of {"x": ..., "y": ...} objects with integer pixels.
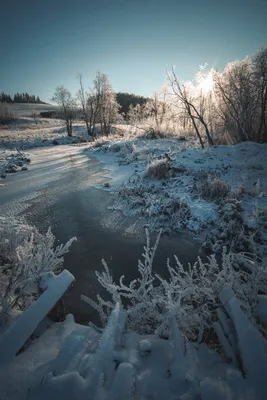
[
  {"x": 210, "y": 187},
  {"x": 190, "y": 295},
  {"x": 25, "y": 255},
  {"x": 159, "y": 169}
]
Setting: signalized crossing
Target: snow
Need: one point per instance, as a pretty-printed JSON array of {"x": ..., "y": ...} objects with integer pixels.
[
  {"x": 254, "y": 357},
  {"x": 10, "y": 341},
  {"x": 25, "y": 373},
  {"x": 122, "y": 387},
  {"x": 118, "y": 174},
  {"x": 27, "y": 133},
  {"x": 69, "y": 361},
  {"x": 145, "y": 346},
  {"x": 176, "y": 203},
  {"x": 24, "y": 110},
  {"x": 12, "y": 161}
]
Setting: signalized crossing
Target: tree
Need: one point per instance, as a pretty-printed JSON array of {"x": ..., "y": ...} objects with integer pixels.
[
  {"x": 5, "y": 98},
  {"x": 64, "y": 99},
  {"x": 102, "y": 106},
  {"x": 107, "y": 101},
  {"x": 157, "y": 110},
  {"x": 82, "y": 97},
  {"x": 125, "y": 100},
  {"x": 238, "y": 99},
  {"x": 260, "y": 70},
  {"x": 26, "y": 254},
  {"x": 194, "y": 106}
]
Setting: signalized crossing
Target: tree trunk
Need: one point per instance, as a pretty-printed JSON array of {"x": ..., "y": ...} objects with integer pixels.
[
  {"x": 195, "y": 126},
  {"x": 69, "y": 128}
]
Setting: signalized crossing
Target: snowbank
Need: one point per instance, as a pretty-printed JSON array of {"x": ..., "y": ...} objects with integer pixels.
[
  {"x": 13, "y": 161},
  {"x": 219, "y": 193},
  {"x": 73, "y": 362}
]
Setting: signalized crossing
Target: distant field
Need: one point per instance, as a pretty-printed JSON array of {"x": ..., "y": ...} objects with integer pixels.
[{"x": 26, "y": 110}]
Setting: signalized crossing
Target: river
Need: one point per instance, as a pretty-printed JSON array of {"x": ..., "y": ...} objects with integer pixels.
[{"x": 59, "y": 191}]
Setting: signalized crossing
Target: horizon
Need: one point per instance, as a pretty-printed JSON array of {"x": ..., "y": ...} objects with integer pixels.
[{"x": 132, "y": 43}]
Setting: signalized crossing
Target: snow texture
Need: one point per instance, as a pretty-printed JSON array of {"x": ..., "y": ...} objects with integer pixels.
[
  {"x": 190, "y": 296},
  {"x": 171, "y": 369},
  {"x": 219, "y": 193},
  {"x": 28, "y": 132},
  {"x": 12, "y": 161}
]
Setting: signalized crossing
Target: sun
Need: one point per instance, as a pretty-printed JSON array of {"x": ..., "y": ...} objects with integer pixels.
[{"x": 206, "y": 84}]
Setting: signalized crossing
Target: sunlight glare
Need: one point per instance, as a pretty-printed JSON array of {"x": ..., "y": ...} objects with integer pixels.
[{"x": 206, "y": 85}]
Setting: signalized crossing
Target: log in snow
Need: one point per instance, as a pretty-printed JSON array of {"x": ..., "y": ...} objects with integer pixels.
[{"x": 16, "y": 336}]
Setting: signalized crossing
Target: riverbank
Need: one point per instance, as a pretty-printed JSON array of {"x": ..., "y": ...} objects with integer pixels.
[{"x": 218, "y": 194}]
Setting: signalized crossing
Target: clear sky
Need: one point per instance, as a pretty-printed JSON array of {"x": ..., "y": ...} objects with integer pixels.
[{"x": 46, "y": 43}]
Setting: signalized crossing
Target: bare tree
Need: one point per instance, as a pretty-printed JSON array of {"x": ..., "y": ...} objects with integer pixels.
[
  {"x": 64, "y": 99},
  {"x": 99, "y": 105},
  {"x": 83, "y": 97},
  {"x": 194, "y": 107},
  {"x": 260, "y": 70},
  {"x": 237, "y": 99},
  {"x": 108, "y": 106},
  {"x": 158, "y": 107}
]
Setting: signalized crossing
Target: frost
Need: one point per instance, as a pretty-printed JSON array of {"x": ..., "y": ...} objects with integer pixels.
[
  {"x": 12, "y": 161},
  {"x": 189, "y": 296},
  {"x": 207, "y": 192},
  {"x": 145, "y": 346},
  {"x": 26, "y": 255}
]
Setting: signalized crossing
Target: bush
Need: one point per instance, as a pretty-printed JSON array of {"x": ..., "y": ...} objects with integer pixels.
[
  {"x": 24, "y": 255},
  {"x": 211, "y": 187},
  {"x": 190, "y": 295},
  {"x": 159, "y": 169},
  {"x": 5, "y": 114}
]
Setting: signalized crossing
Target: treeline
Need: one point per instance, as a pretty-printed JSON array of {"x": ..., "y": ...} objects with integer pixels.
[
  {"x": 20, "y": 98},
  {"x": 125, "y": 100},
  {"x": 219, "y": 107},
  {"x": 99, "y": 106}
]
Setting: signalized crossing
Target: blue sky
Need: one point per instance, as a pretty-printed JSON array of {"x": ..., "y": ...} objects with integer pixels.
[{"x": 46, "y": 43}]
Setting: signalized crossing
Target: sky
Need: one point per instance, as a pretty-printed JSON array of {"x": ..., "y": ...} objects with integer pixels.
[{"x": 46, "y": 43}]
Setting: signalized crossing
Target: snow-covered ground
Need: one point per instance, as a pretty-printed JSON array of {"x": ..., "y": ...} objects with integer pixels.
[
  {"x": 29, "y": 130},
  {"x": 219, "y": 193},
  {"x": 12, "y": 161},
  {"x": 70, "y": 362},
  {"x": 29, "y": 133},
  {"x": 19, "y": 110}
]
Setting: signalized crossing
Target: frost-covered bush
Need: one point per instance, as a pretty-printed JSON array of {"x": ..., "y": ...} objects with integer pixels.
[
  {"x": 156, "y": 203},
  {"x": 159, "y": 169},
  {"x": 13, "y": 161},
  {"x": 25, "y": 254},
  {"x": 211, "y": 187},
  {"x": 190, "y": 295}
]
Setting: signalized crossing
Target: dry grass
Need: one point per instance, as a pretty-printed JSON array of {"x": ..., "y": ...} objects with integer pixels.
[
  {"x": 159, "y": 169},
  {"x": 211, "y": 187}
]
